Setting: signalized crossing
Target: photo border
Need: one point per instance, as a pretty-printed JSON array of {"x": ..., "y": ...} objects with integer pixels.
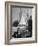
[{"x": 7, "y": 19}]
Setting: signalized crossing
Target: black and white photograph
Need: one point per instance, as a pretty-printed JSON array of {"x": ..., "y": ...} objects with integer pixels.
[{"x": 21, "y": 22}]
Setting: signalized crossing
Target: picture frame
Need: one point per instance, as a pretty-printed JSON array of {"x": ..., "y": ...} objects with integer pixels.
[{"x": 10, "y": 8}]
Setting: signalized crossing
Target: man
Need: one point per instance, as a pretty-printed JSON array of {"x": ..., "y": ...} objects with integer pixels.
[
  {"x": 17, "y": 34},
  {"x": 30, "y": 26}
]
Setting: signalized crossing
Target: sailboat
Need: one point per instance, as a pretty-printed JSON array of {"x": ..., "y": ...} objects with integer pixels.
[{"x": 22, "y": 23}]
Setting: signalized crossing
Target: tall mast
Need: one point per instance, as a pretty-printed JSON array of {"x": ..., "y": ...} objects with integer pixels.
[{"x": 20, "y": 14}]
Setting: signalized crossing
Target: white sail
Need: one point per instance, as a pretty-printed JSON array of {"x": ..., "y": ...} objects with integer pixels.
[{"x": 22, "y": 21}]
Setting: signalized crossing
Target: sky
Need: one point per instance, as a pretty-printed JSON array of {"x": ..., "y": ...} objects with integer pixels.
[{"x": 20, "y": 14}]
